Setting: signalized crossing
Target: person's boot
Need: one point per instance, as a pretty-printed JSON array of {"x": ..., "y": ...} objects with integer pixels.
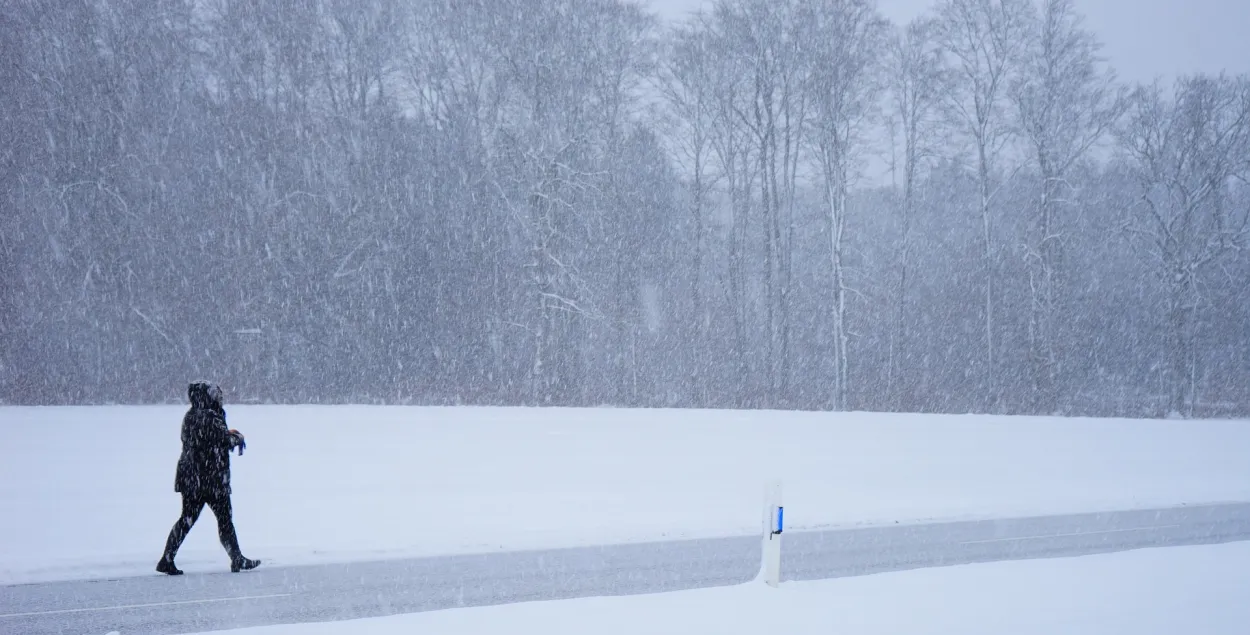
[
  {"x": 166, "y": 566},
  {"x": 243, "y": 564}
]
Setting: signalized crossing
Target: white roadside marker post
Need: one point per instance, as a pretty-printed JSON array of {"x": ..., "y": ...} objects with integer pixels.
[{"x": 774, "y": 521}]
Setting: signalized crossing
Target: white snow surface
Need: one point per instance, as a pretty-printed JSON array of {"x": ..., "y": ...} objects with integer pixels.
[
  {"x": 88, "y": 491},
  {"x": 1145, "y": 592}
]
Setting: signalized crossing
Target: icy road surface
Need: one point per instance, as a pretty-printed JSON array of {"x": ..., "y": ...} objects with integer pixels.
[{"x": 282, "y": 595}]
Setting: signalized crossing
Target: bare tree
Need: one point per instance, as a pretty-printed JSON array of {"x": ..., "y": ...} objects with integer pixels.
[
  {"x": 363, "y": 46},
  {"x": 844, "y": 44},
  {"x": 455, "y": 80},
  {"x": 916, "y": 85},
  {"x": 765, "y": 39},
  {"x": 733, "y": 154},
  {"x": 1190, "y": 154},
  {"x": 1065, "y": 103},
  {"x": 570, "y": 70},
  {"x": 685, "y": 81},
  {"x": 620, "y": 61},
  {"x": 984, "y": 40}
]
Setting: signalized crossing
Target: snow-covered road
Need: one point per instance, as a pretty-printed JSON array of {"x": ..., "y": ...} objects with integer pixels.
[{"x": 275, "y": 594}]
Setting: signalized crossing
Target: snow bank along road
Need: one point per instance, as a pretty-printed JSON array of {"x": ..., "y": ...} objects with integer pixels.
[
  {"x": 277, "y": 595},
  {"x": 334, "y": 484}
]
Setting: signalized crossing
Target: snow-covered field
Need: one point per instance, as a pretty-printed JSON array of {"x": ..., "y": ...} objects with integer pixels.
[
  {"x": 1146, "y": 592},
  {"x": 89, "y": 491}
]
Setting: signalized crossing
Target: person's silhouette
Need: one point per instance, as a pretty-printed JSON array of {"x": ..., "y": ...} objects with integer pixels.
[{"x": 203, "y": 475}]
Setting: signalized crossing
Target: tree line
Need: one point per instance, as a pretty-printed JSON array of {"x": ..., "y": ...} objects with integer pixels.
[{"x": 572, "y": 202}]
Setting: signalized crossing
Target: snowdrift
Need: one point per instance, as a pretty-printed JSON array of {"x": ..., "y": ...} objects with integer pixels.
[{"x": 88, "y": 491}]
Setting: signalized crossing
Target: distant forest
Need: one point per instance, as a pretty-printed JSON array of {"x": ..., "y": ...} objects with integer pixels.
[{"x": 575, "y": 203}]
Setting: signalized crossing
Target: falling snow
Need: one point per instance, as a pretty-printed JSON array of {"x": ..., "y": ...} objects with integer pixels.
[{"x": 486, "y": 281}]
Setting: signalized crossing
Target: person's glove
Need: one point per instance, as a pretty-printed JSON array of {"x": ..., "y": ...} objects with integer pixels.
[{"x": 237, "y": 440}]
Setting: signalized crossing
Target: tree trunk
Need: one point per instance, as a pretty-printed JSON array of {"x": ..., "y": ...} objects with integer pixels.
[
  {"x": 698, "y": 358},
  {"x": 991, "y": 379},
  {"x": 1178, "y": 325},
  {"x": 835, "y": 196},
  {"x": 1044, "y": 302}
]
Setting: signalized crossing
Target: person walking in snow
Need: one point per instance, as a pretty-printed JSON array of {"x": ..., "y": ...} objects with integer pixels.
[{"x": 203, "y": 475}]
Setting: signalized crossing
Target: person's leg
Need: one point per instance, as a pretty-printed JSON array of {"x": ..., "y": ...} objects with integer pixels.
[
  {"x": 191, "y": 506},
  {"x": 223, "y": 510},
  {"x": 225, "y": 525}
]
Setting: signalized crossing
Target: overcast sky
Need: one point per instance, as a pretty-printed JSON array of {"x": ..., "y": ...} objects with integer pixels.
[{"x": 1142, "y": 38}]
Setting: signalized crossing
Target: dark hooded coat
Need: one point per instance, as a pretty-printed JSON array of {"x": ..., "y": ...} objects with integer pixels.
[{"x": 204, "y": 466}]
